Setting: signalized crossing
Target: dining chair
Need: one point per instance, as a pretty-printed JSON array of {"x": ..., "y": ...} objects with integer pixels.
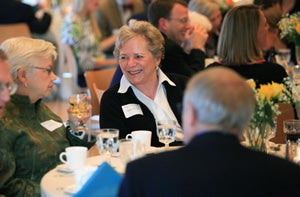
[
  {"x": 287, "y": 112},
  {"x": 13, "y": 30},
  {"x": 97, "y": 82}
]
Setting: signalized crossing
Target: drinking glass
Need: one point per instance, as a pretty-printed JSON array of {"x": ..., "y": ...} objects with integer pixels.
[
  {"x": 292, "y": 130},
  {"x": 78, "y": 105},
  {"x": 284, "y": 57},
  {"x": 108, "y": 142},
  {"x": 166, "y": 131}
]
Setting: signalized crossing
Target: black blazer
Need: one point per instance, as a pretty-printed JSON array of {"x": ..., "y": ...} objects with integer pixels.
[
  {"x": 177, "y": 61},
  {"x": 12, "y": 11},
  {"x": 212, "y": 164},
  {"x": 112, "y": 115}
]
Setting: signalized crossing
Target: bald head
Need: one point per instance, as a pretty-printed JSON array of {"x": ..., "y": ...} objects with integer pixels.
[{"x": 220, "y": 99}]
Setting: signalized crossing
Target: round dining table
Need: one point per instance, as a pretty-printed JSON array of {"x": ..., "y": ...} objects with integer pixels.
[{"x": 59, "y": 181}]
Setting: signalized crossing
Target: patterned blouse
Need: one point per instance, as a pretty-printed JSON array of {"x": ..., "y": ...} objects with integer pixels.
[
  {"x": 27, "y": 148},
  {"x": 78, "y": 33}
]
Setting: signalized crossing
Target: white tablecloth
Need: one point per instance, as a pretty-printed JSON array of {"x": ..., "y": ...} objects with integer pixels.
[{"x": 55, "y": 182}]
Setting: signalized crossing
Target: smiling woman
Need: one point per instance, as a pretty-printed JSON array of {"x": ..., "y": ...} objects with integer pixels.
[{"x": 145, "y": 94}]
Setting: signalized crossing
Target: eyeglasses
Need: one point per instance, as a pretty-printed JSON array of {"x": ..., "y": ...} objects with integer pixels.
[
  {"x": 181, "y": 20},
  {"x": 49, "y": 70},
  {"x": 11, "y": 87}
]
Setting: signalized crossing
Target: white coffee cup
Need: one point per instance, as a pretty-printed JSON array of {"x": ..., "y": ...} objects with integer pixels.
[
  {"x": 143, "y": 136},
  {"x": 83, "y": 174},
  {"x": 75, "y": 156}
]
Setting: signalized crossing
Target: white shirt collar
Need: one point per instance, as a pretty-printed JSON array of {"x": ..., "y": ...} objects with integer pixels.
[{"x": 125, "y": 84}]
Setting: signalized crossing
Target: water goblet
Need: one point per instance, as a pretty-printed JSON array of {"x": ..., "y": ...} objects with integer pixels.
[
  {"x": 166, "y": 131},
  {"x": 78, "y": 106},
  {"x": 108, "y": 142},
  {"x": 284, "y": 57}
]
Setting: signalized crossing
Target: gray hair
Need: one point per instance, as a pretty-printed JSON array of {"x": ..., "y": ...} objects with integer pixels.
[
  {"x": 21, "y": 51},
  {"x": 221, "y": 97},
  {"x": 205, "y": 7},
  {"x": 141, "y": 28}
]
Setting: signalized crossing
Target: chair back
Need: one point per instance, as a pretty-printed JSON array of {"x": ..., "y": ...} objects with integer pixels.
[
  {"x": 97, "y": 82},
  {"x": 287, "y": 112},
  {"x": 13, "y": 30}
]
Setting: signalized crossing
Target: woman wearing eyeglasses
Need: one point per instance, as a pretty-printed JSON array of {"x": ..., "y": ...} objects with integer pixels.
[{"x": 32, "y": 136}]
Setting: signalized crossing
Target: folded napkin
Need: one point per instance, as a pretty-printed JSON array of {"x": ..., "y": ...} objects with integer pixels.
[{"x": 104, "y": 182}]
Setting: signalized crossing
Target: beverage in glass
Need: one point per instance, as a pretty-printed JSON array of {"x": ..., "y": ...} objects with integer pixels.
[
  {"x": 292, "y": 130},
  {"x": 166, "y": 131},
  {"x": 78, "y": 106},
  {"x": 108, "y": 142}
]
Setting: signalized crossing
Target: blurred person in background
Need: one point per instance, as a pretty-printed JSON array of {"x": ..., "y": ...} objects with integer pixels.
[
  {"x": 172, "y": 19},
  {"x": 274, "y": 14},
  {"x": 14, "y": 11},
  {"x": 7, "y": 86},
  {"x": 32, "y": 136},
  {"x": 211, "y": 10},
  {"x": 112, "y": 14},
  {"x": 243, "y": 36},
  {"x": 80, "y": 31}
]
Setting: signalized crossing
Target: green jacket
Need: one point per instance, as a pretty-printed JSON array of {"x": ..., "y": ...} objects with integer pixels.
[{"x": 27, "y": 149}]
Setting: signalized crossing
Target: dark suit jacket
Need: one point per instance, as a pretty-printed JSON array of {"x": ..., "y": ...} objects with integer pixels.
[
  {"x": 212, "y": 164},
  {"x": 12, "y": 11},
  {"x": 112, "y": 115},
  {"x": 177, "y": 61}
]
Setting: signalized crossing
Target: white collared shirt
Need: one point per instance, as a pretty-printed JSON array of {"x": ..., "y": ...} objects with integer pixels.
[{"x": 159, "y": 107}]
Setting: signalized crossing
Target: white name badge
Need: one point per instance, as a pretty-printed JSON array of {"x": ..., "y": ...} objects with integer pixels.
[
  {"x": 51, "y": 125},
  {"x": 130, "y": 110}
]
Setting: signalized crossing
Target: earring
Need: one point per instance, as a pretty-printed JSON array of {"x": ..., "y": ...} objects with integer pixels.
[{"x": 25, "y": 85}]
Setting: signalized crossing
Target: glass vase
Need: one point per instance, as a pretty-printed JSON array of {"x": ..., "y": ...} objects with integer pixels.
[{"x": 257, "y": 136}]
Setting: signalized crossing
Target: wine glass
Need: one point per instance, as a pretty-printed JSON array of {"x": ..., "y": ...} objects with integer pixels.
[
  {"x": 108, "y": 142},
  {"x": 166, "y": 131},
  {"x": 284, "y": 57},
  {"x": 78, "y": 106}
]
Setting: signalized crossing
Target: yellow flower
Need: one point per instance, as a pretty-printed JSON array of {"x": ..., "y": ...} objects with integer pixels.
[{"x": 270, "y": 91}]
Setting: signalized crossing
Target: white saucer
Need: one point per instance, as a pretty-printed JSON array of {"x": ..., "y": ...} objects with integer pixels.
[
  {"x": 71, "y": 189},
  {"x": 63, "y": 168}
]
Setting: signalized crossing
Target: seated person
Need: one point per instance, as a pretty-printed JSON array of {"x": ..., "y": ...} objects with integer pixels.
[
  {"x": 13, "y": 11},
  {"x": 172, "y": 19},
  {"x": 212, "y": 11},
  {"x": 6, "y": 82},
  {"x": 81, "y": 32},
  {"x": 32, "y": 136},
  {"x": 218, "y": 105},
  {"x": 145, "y": 94},
  {"x": 247, "y": 58}
]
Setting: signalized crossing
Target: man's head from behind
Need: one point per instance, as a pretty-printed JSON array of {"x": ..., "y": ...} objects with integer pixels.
[
  {"x": 170, "y": 17},
  {"x": 5, "y": 82},
  {"x": 217, "y": 99}
]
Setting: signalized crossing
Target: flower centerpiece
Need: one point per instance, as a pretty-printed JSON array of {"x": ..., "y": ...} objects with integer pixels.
[
  {"x": 262, "y": 126},
  {"x": 290, "y": 29}
]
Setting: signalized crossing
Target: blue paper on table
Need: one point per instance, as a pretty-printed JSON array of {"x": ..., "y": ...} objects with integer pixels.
[{"x": 104, "y": 182}]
